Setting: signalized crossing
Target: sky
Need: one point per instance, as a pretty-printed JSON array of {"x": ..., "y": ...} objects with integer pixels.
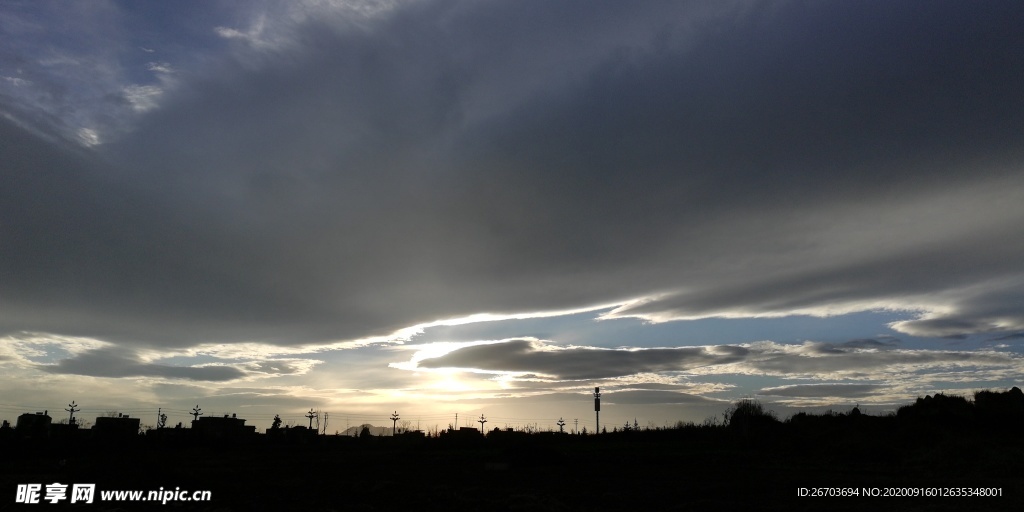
[{"x": 443, "y": 208}]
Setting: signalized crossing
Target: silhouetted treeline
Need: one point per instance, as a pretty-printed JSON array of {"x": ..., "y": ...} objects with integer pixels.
[
  {"x": 993, "y": 411},
  {"x": 749, "y": 459}
]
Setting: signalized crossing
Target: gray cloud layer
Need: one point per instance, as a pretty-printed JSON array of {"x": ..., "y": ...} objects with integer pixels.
[
  {"x": 814, "y": 360},
  {"x": 460, "y": 157},
  {"x": 113, "y": 362},
  {"x": 582, "y": 363}
]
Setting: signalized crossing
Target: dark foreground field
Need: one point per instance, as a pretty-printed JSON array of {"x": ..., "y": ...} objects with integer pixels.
[{"x": 758, "y": 466}]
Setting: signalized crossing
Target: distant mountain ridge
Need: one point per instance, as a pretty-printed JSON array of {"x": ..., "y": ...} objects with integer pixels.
[{"x": 374, "y": 430}]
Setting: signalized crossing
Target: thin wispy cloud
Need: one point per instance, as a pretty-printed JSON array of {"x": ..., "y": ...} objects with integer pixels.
[{"x": 822, "y": 390}]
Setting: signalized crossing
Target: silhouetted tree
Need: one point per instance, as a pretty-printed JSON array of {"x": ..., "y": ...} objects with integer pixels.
[
  {"x": 747, "y": 414},
  {"x": 277, "y": 422}
]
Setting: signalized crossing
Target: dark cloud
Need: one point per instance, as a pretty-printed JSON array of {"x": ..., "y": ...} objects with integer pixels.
[
  {"x": 848, "y": 347},
  {"x": 463, "y": 157},
  {"x": 114, "y": 362},
  {"x": 279, "y": 367},
  {"x": 822, "y": 359},
  {"x": 581, "y": 363},
  {"x": 992, "y": 308},
  {"x": 868, "y": 343},
  {"x": 1010, "y": 337},
  {"x": 654, "y": 386},
  {"x": 900, "y": 278}
]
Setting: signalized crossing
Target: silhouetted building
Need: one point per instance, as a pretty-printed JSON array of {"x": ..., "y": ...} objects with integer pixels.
[
  {"x": 112, "y": 427},
  {"x": 462, "y": 436},
  {"x": 463, "y": 433},
  {"x": 226, "y": 427},
  {"x": 506, "y": 434},
  {"x": 6, "y": 431},
  {"x": 34, "y": 425},
  {"x": 171, "y": 434}
]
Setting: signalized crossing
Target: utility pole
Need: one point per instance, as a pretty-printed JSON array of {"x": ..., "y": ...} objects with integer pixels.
[
  {"x": 325, "y": 423},
  {"x": 481, "y": 421},
  {"x": 575, "y": 425},
  {"x": 394, "y": 423},
  {"x": 597, "y": 409},
  {"x": 310, "y": 415},
  {"x": 72, "y": 408},
  {"x": 196, "y": 413},
  {"x": 561, "y": 426}
]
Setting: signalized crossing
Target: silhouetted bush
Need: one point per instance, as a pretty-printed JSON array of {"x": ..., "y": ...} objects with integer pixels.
[
  {"x": 938, "y": 408},
  {"x": 993, "y": 405}
]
